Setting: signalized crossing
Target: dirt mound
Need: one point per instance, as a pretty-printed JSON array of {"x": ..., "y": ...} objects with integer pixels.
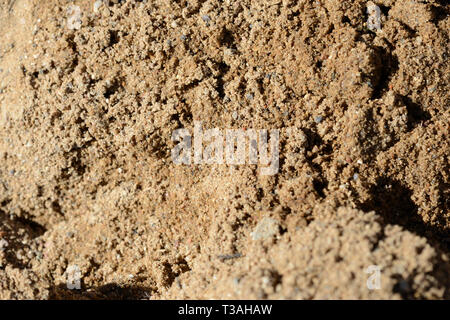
[{"x": 91, "y": 92}]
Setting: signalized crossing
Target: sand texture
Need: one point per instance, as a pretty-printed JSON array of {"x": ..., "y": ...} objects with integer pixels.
[{"x": 91, "y": 92}]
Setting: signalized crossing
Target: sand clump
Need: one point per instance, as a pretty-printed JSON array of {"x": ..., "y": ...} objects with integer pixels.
[{"x": 91, "y": 91}]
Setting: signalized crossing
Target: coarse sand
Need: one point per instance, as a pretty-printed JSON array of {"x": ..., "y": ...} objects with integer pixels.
[{"x": 91, "y": 92}]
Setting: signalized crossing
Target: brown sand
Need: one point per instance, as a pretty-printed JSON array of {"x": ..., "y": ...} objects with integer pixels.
[{"x": 88, "y": 106}]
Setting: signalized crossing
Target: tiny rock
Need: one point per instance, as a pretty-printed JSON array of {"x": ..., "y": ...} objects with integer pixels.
[
  {"x": 97, "y": 5},
  {"x": 265, "y": 229},
  {"x": 3, "y": 244},
  {"x": 374, "y": 19},
  {"x": 74, "y": 17}
]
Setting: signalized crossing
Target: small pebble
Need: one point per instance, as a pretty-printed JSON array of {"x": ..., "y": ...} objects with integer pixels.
[
  {"x": 74, "y": 19},
  {"x": 318, "y": 119},
  {"x": 374, "y": 17},
  {"x": 3, "y": 244},
  {"x": 265, "y": 229},
  {"x": 404, "y": 286},
  {"x": 97, "y": 5}
]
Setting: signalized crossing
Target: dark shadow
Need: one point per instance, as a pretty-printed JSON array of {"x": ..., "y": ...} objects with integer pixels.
[
  {"x": 220, "y": 86},
  {"x": 384, "y": 9},
  {"x": 392, "y": 200},
  {"x": 113, "y": 88},
  {"x": 403, "y": 287},
  {"x": 346, "y": 19},
  {"x": 15, "y": 239},
  {"x": 320, "y": 186},
  {"x": 389, "y": 66},
  {"x": 110, "y": 291},
  {"x": 416, "y": 114},
  {"x": 313, "y": 139},
  {"x": 171, "y": 273},
  {"x": 440, "y": 12},
  {"x": 113, "y": 37},
  {"x": 226, "y": 39}
]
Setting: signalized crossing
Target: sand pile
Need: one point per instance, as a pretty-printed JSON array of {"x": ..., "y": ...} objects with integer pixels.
[{"x": 91, "y": 92}]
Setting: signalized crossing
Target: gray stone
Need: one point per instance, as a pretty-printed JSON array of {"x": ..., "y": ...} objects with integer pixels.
[{"x": 266, "y": 228}]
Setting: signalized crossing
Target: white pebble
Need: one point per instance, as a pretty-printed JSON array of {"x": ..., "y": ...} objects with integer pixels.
[
  {"x": 374, "y": 19},
  {"x": 74, "y": 19},
  {"x": 3, "y": 244},
  {"x": 265, "y": 229},
  {"x": 97, "y": 5}
]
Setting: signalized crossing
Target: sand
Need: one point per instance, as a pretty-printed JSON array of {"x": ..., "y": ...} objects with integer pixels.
[{"x": 91, "y": 92}]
